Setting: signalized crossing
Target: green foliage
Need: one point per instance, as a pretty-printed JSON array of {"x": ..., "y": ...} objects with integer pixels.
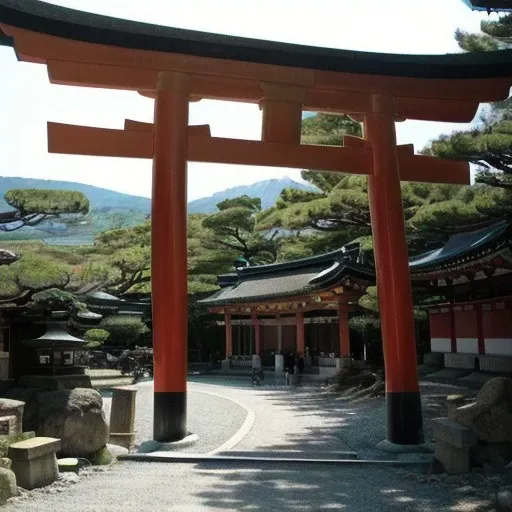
[
  {"x": 48, "y": 202},
  {"x": 33, "y": 272},
  {"x": 490, "y": 145},
  {"x": 121, "y": 259},
  {"x": 496, "y": 35},
  {"x": 54, "y": 299},
  {"x": 125, "y": 330},
  {"x": 233, "y": 228},
  {"x": 95, "y": 338}
]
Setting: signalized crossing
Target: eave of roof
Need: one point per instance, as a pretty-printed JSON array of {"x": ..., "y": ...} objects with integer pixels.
[{"x": 38, "y": 16}]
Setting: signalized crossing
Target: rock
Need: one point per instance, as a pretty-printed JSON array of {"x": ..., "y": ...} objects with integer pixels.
[
  {"x": 8, "y": 487},
  {"x": 503, "y": 500},
  {"x": 67, "y": 465},
  {"x": 490, "y": 416},
  {"x": 76, "y": 418},
  {"x": 102, "y": 457},
  {"x": 5, "y": 463}
]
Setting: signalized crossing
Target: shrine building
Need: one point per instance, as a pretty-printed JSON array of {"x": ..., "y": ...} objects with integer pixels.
[{"x": 303, "y": 306}]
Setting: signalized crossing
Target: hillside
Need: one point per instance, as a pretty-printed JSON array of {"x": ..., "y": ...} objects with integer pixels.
[
  {"x": 99, "y": 198},
  {"x": 110, "y": 209},
  {"x": 268, "y": 191}
]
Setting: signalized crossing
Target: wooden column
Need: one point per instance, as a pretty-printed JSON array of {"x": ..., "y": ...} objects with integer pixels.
[
  {"x": 343, "y": 330},
  {"x": 257, "y": 334},
  {"x": 282, "y": 113},
  {"x": 279, "y": 336},
  {"x": 229, "y": 335},
  {"x": 300, "y": 332},
  {"x": 393, "y": 280},
  {"x": 169, "y": 257}
]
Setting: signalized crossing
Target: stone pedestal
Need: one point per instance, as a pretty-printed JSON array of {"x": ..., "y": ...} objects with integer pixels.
[
  {"x": 34, "y": 461},
  {"x": 122, "y": 417},
  {"x": 453, "y": 443},
  {"x": 279, "y": 363}
]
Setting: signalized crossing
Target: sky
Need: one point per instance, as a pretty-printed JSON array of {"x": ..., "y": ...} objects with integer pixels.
[{"x": 28, "y": 101}]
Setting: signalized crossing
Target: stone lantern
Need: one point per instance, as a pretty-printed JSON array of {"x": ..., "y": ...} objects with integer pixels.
[{"x": 56, "y": 356}]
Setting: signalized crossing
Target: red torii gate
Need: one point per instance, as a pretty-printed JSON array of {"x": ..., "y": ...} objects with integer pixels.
[{"x": 177, "y": 66}]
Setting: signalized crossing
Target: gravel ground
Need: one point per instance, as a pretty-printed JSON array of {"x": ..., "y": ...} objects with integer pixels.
[
  {"x": 143, "y": 487},
  {"x": 203, "y": 411},
  {"x": 303, "y": 420}
]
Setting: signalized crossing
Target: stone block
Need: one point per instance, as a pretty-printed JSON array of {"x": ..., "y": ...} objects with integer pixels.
[
  {"x": 433, "y": 359},
  {"x": 453, "y": 433},
  {"x": 495, "y": 364},
  {"x": 14, "y": 408},
  {"x": 459, "y": 361},
  {"x": 454, "y": 460},
  {"x": 34, "y": 461},
  {"x": 122, "y": 417},
  {"x": 8, "y": 425},
  {"x": 279, "y": 363}
]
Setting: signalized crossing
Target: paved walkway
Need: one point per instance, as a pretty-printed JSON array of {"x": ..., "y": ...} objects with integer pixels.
[{"x": 242, "y": 419}]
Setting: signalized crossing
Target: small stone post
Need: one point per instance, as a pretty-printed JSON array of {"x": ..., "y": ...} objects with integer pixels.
[{"x": 122, "y": 417}]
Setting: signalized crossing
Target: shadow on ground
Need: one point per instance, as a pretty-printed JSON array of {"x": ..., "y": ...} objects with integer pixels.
[{"x": 341, "y": 488}]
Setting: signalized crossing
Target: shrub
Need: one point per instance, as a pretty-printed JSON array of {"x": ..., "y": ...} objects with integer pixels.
[
  {"x": 95, "y": 338},
  {"x": 124, "y": 330}
]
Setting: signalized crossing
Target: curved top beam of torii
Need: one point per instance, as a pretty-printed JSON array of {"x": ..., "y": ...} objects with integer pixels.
[
  {"x": 38, "y": 16},
  {"x": 97, "y": 51}
]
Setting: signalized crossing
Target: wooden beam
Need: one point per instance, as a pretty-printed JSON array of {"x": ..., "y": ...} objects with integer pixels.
[
  {"x": 84, "y": 140},
  {"x": 245, "y": 90},
  {"x": 137, "y": 142},
  {"x": 421, "y": 168},
  {"x": 140, "y": 126},
  {"x": 433, "y": 170},
  {"x": 246, "y": 152}
]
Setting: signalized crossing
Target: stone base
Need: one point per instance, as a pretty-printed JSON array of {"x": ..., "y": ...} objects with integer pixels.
[
  {"x": 55, "y": 382},
  {"x": 155, "y": 446},
  {"x": 256, "y": 362},
  {"x": 459, "y": 361},
  {"x": 279, "y": 363},
  {"x": 389, "y": 447},
  {"x": 495, "y": 364},
  {"x": 125, "y": 440}
]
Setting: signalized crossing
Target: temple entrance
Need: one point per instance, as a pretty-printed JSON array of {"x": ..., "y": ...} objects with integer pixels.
[{"x": 284, "y": 80}]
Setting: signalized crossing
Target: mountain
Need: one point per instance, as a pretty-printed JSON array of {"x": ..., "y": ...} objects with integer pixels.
[
  {"x": 109, "y": 209},
  {"x": 268, "y": 191},
  {"x": 99, "y": 198}
]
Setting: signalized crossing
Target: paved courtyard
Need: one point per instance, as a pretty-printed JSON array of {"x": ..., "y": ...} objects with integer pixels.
[{"x": 231, "y": 417}]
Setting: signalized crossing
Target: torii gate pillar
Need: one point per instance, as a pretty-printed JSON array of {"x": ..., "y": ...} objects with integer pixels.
[
  {"x": 169, "y": 257},
  {"x": 394, "y": 286}
]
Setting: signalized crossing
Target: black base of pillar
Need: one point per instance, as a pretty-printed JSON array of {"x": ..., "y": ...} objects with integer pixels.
[
  {"x": 169, "y": 416},
  {"x": 405, "y": 425}
]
